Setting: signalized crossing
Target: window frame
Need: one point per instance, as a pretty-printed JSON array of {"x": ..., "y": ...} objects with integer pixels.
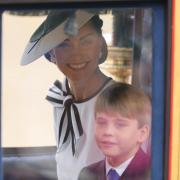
[{"x": 166, "y": 6}]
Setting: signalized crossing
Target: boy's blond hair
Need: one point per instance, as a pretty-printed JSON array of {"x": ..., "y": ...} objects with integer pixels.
[{"x": 126, "y": 99}]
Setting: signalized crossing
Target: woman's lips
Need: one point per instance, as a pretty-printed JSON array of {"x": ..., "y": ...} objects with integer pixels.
[{"x": 77, "y": 66}]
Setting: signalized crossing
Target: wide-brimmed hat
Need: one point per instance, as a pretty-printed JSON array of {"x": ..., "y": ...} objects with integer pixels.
[{"x": 52, "y": 32}]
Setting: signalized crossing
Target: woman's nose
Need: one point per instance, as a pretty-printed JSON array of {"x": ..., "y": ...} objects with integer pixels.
[{"x": 76, "y": 52}]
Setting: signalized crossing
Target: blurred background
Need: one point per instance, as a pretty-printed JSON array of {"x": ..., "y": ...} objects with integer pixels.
[{"x": 27, "y": 118}]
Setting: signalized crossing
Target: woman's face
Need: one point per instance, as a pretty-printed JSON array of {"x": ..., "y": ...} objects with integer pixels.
[{"x": 78, "y": 56}]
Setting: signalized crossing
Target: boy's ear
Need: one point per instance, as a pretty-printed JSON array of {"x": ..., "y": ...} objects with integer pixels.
[{"x": 143, "y": 133}]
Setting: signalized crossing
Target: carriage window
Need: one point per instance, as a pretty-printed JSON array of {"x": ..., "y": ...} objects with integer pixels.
[
  {"x": 27, "y": 118},
  {"x": 135, "y": 56}
]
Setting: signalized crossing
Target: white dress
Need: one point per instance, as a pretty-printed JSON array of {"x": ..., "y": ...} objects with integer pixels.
[{"x": 87, "y": 152}]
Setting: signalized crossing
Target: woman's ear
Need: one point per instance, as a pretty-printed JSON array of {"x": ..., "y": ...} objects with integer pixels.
[{"x": 104, "y": 52}]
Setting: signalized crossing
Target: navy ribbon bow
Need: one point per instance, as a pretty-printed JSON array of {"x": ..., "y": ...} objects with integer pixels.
[{"x": 60, "y": 96}]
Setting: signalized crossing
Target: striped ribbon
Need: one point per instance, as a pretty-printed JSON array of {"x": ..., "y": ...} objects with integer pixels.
[{"x": 60, "y": 97}]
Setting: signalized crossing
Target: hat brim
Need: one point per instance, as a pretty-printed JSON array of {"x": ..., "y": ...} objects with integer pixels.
[{"x": 35, "y": 50}]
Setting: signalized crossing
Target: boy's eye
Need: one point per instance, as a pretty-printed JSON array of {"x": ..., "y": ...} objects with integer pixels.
[
  {"x": 120, "y": 124},
  {"x": 101, "y": 121}
]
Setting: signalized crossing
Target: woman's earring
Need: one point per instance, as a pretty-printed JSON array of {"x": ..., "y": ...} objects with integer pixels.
[
  {"x": 100, "y": 55},
  {"x": 53, "y": 58}
]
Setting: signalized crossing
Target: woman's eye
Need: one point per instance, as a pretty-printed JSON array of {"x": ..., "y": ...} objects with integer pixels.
[
  {"x": 86, "y": 41},
  {"x": 63, "y": 45}
]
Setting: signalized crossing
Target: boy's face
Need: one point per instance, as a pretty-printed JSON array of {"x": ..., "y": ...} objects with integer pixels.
[{"x": 118, "y": 137}]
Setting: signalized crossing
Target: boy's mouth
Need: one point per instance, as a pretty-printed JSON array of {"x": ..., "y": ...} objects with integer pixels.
[{"x": 107, "y": 143}]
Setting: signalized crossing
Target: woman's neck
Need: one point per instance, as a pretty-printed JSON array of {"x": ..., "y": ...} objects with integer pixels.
[{"x": 86, "y": 87}]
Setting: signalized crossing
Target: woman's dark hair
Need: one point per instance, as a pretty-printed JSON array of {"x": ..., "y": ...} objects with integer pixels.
[{"x": 97, "y": 23}]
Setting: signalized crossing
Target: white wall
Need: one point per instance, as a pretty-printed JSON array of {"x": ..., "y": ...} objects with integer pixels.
[{"x": 27, "y": 118}]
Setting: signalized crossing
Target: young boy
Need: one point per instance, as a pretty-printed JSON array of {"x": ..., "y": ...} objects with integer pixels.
[{"x": 122, "y": 124}]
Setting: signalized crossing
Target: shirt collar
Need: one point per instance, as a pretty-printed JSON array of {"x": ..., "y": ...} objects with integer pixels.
[{"x": 119, "y": 169}]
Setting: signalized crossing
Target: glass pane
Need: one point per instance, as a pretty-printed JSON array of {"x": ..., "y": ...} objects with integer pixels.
[{"x": 27, "y": 118}]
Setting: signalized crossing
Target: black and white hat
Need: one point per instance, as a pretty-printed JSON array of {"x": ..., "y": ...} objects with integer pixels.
[{"x": 52, "y": 32}]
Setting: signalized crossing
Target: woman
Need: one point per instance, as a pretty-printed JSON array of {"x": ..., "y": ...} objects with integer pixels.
[{"x": 74, "y": 42}]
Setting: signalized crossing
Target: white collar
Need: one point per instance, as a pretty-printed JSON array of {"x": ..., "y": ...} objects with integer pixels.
[{"x": 119, "y": 169}]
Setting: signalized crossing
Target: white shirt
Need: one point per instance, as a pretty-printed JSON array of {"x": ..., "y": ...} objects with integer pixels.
[
  {"x": 69, "y": 166},
  {"x": 119, "y": 169}
]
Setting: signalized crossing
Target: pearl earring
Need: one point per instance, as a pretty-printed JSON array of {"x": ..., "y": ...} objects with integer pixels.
[
  {"x": 53, "y": 59},
  {"x": 100, "y": 55}
]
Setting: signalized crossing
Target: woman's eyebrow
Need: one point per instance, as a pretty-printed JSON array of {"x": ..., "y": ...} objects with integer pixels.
[{"x": 86, "y": 35}]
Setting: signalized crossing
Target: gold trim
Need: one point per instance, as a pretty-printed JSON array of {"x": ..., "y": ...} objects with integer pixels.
[{"x": 175, "y": 159}]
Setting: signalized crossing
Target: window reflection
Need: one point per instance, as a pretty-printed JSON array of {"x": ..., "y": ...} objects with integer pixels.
[
  {"x": 130, "y": 46},
  {"x": 129, "y": 37}
]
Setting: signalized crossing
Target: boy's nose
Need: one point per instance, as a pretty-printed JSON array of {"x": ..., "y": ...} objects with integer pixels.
[{"x": 108, "y": 130}]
